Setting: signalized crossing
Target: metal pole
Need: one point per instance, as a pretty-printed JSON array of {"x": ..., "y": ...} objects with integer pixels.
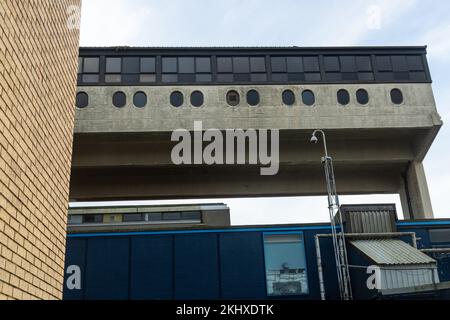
[{"x": 319, "y": 268}]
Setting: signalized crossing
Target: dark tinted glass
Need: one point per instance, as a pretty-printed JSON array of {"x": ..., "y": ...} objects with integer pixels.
[
  {"x": 147, "y": 78},
  {"x": 224, "y": 64},
  {"x": 233, "y": 98},
  {"x": 82, "y": 100},
  {"x": 197, "y": 99},
  {"x": 363, "y": 63},
  {"x": 113, "y": 78},
  {"x": 362, "y": 96},
  {"x": 258, "y": 64},
  {"x": 288, "y": 97},
  {"x": 348, "y": 63},
  {"x": 225, "y": 77},
  {"x": 396, "y": 96},
  {"x": 278, "y": 64},
  {"x": 169, "y": 65},
  {"x": 384, "y": 63},
  {"x": 132, "y": 217},
  {"x": 258, "y": 77},
  {"x": 113, "y": 65},
  {"x": 91, "y": 65},
  {"x": 311, "y": 64},
  {"x": 399, "y": 63},
  {"x": 415, "y": 63},
  {"x": 308, "y": 98},
  {"x": 186, "y": 65},
  {"x": 154, "y": 216},
  {"x": 203, "y": 64},
  {"x": 331, "y": 64},
  {"x": 90, "y": 78},
  {"x": 253, "y": 97},
  {"x": 119, "y": 99},
  {"x": 191, "y": 215},
  {"x": 241, "y": 65},
  {"x": 140, "y": 99},
  {"x": 92, "y": 218},
  {"x": 171, "y": 216},
  {"x": 295, "y": 64},
  {"x": 169, "y": 78},
  {"x": 131, "y": 65},
  {"x": 203, "y": 78},
  {"x": 148, "y": 65},
  {"x": 176, "y": 99},
  {"x": 343, "y": 97}
]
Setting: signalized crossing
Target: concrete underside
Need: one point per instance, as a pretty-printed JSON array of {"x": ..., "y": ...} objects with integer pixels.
[{"x": 124, "y": 154}]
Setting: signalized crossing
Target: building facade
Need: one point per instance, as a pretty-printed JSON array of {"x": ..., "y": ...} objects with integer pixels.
[{"x": 38, "y": 61}]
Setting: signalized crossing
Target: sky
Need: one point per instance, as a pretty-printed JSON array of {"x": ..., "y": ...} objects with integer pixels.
[{"x": 290, "y": 23}]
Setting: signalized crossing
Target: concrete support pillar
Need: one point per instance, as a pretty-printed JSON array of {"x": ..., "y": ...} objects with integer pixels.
[{"x": 414, "y": 194}]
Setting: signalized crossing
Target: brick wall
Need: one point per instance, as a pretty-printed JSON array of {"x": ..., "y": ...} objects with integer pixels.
[{"x": 38, "y": 61}]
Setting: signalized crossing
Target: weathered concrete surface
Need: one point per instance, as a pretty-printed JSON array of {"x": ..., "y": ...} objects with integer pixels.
[{"x": 125, "y": 153}]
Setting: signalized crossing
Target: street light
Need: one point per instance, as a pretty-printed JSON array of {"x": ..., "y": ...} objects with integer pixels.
[{"x": 340, "y": 250}]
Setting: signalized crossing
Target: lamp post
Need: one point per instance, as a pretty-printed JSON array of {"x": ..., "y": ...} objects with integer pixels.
[{"x": 340, "y": 250}]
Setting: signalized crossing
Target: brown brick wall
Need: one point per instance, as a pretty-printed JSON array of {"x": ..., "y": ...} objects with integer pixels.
[{"x": 38, "y": 61}]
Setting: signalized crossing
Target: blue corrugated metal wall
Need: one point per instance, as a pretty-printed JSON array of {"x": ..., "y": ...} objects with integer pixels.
[{"x": 221, "y": 264}]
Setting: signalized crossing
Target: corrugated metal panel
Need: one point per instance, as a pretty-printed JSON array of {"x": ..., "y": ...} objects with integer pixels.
[
  {"x": 392, "y": 252},
  {"x": 408, "y": 277},
  {"x": 369, "y": 218}
]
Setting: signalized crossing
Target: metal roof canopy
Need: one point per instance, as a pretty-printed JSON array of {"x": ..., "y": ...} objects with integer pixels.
[{"x": 392, "y": 252}]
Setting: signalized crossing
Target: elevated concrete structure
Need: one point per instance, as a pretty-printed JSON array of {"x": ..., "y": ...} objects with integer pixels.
[{"x": 124, "y": 153}]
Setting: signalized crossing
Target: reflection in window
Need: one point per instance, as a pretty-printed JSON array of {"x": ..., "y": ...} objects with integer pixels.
[
  {"x": 308, "y": 98},
  {"x": 285, "y": 263}
]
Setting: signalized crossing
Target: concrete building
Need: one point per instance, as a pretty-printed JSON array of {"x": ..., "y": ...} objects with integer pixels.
[
  {"x": 38, "y": 61},
  {"x": 375, "y": 103}
]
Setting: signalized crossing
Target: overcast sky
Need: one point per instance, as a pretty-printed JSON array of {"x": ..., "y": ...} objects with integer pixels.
[{"x": 289, "y": 23}]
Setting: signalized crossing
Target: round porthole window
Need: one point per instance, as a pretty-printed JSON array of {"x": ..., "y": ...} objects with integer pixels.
[
  {"x": 233, "y": 98},
  {"x": 343, "y": 97},
  {"x": 308, "y": 98},
  {"x": 253, "y": 98},
  {"x": 197, "y": 99},
  {"x": 362, "y": 96},
  {"x": 82, "y": 100},
  {"x": 396, "y": 96},
  {"x": 288, "y": 97},
  {"x": 176, "y": 99},
  {"x": 119, "y": 99},
  {"x": 140, "y": 99}
]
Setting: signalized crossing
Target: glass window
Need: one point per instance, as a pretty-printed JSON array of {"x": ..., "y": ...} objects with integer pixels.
[
  {"x": 331, "y": 64},
  {"x": 148, "y": 65},
  {"x": 131, "y": 65},
  {"x": 197, "y": 99},
  {"x": 258, "y": 64},
  {"x": 186, "y": 65},
  {"x": 203, "y": 64},
  {"x": 241, "y": 65},
  {"x": 399, "y": 63},
  {"x": 82, "y": 100},
  {"x": 253, "y": 98},
  {"x": 285, "y": 263},
  {"x": 119, "y": 99},
  {"x": 176, "y": 99},
  {"x": 225, "y": 77},
  {"x": 91, "y": 65},
  {"x": 396, "y": 96},
  {"x": 169, "y": 78},
  {"x": 224, "y": 65},
  {"x": 384, "y": 63},
  {"x": 75, "y": 219},
  {"x": 258, "y": 77},
  {"x": 362, "y": 96},
  {"x": 440, "y": 235},
  {"x": 308, "y": 98},
  {"x": 132, "y": 217},
  {"x": 171, "y": 216},
  {"x": 348, "y": 63},
  {"x": 233, "y": 98},
  {"x": 278, "y": 64},
  {"x": 90, "y": 78},
  {"x": 203, "y": 78},
  {"x": 154, "y": 216},
  {"x": 194, "y": 215},
  {"x": 288, "y": 97},
  {"x": 415, "y": 63},
  {"x": 113, "y": 65},
  {"x": 343, "y": 97},
  {"x": 147, "y": 78},
  {"x": 93, "y": 218},
  {"x": 113, "y": 78},
  {"x": 140, "y": 99},
  {"x": 311, "y": 64},
  {"x": 363, "y": 63},
  {"x": 169, "y": 65},
  {"x": 295, "y": 64}
]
